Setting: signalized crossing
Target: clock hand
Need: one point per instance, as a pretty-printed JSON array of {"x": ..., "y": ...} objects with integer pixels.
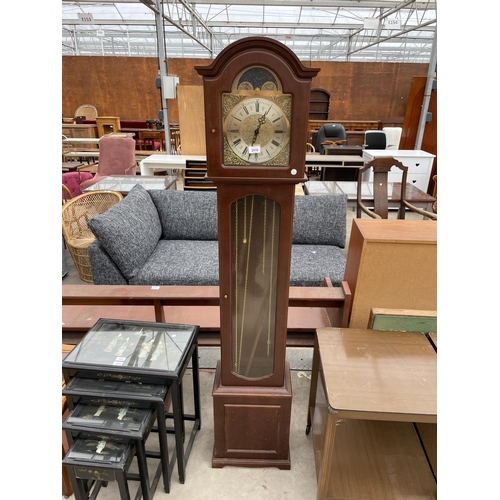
[{"x": 262, "y": 120}]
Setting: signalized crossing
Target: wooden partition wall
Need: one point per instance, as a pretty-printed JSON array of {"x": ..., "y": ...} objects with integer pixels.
[{"x": 125, "y": 86}]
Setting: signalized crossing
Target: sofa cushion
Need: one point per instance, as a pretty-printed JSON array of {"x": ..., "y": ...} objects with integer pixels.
[
  {"x": 129, "y": 231},
  {"x": 181, "y": 262},
  {"x": 186, "y": 215},
  {"x": 320, "y": 220},
  {"x": 312, "y": 263}
]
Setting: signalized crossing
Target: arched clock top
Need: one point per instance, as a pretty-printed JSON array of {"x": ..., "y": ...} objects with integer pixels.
[{"x": 257, "y": 45}]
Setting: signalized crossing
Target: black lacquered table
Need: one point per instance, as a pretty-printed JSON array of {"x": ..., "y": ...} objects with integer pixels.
[{"x": 141, "y": 362}]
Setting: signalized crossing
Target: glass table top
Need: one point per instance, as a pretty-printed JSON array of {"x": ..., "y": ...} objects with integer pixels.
[
  {"x": 124, "y": 183},
  {"x": 133, "y": 345}
]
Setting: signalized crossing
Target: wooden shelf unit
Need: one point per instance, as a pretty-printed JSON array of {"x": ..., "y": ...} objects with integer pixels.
[{"x": 194, "y": 176}]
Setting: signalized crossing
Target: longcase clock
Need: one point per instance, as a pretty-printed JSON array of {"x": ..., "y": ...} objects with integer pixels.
[{"x": 256, "y": 107}]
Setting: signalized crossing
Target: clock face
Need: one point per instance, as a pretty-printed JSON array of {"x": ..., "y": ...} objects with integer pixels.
[{"x": 257, "y": 131}]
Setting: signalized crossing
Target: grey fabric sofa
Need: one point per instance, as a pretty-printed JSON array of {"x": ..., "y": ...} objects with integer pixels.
[{"x": 170, "y": 238}]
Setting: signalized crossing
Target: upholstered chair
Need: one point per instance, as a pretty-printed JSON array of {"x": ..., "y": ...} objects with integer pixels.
[
  {"x": 73, "y": 181},
  {"x": 116, "y": 157}
]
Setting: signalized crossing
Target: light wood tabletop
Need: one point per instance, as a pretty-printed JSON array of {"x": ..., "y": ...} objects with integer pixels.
[{"x": 368, "y": 387}]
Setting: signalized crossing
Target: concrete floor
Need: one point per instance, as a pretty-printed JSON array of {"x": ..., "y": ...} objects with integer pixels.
[{"x": 237, "y": 483}]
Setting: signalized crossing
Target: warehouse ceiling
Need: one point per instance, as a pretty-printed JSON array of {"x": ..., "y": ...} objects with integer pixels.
[{"x": 317, "y": 30}]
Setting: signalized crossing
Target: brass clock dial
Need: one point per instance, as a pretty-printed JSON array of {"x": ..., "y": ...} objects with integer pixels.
[{"x": 256, "y": 129}]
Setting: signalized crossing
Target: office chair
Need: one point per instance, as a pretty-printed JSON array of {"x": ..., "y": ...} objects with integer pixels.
[
  {"x": 393, "y": 137},
  {"x": 334, "y": 132},
  {"x": 116, "y": 157},
  {"x": 375, "y": 139}
]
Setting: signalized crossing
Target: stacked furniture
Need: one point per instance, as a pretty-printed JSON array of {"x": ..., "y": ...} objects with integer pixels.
[
  {"x": 194, "y": 176},
  {"x": 170, "y": 238},
  {"x": 118, "y": 381}
]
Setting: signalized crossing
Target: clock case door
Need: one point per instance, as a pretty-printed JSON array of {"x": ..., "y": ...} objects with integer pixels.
[
  {"x": 295, "y": 80},
  {"x": 257, "y": 366}
]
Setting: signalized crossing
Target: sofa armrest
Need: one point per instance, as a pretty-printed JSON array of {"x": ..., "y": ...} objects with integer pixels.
[{"x": 104, "y": 270}]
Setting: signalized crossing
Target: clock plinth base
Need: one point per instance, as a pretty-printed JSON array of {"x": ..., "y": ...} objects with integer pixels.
[{"x": 252, "y": 424}]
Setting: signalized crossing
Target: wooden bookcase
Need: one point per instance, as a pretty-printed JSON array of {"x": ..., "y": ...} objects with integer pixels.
[{"x": 391, "y": 264}]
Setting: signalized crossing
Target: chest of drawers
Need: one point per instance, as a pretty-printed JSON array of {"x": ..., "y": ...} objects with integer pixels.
[{"x": 419, "y": 165}]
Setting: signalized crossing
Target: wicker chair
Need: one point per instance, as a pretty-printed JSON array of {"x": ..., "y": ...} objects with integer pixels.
[
  {"x": 66, "y": 194},
  {"x": 75, "y": 215},
  {"x": 86, "y": 110}
]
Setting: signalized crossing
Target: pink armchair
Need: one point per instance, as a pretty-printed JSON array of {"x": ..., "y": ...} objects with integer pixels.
[
  {"x": 116, "y": 157},
  {"x": 73, "y": 181}
]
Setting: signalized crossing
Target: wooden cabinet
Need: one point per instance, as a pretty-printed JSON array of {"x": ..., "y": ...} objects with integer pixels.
[
  {"x": 391, "y": 264},
  {"x": 107, "y": 125},
  {"x": 75, "y": 130}
]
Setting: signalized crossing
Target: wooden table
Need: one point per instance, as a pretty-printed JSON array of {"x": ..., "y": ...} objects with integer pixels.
[
  {"x": 343, "y": 150},
  {"x": 81, "y": 140},
  {"x": 337, "y": 167},
  {"x": 368, "y": 387},
  {"x": 162, "y": 162}
]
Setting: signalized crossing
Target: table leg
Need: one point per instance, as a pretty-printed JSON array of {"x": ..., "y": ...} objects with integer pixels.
[
  {"x": 162, "y": 436},
  {"x": 143, "y": 470},
  {"x": 314, "y": 383},
  {"x": 79, "y": 490},
  {"x": 178, "y": 426},
  {"x": 327, "y": 458},
  {"x": 195, "y": 364},
  {"x": 123, "y": 487}
]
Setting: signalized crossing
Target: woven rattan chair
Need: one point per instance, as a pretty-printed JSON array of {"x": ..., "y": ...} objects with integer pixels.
[
  {"x": 86, "y": 110},
  {"x": 75, "y": 215},
  {"x": 66, "y": 194}
]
